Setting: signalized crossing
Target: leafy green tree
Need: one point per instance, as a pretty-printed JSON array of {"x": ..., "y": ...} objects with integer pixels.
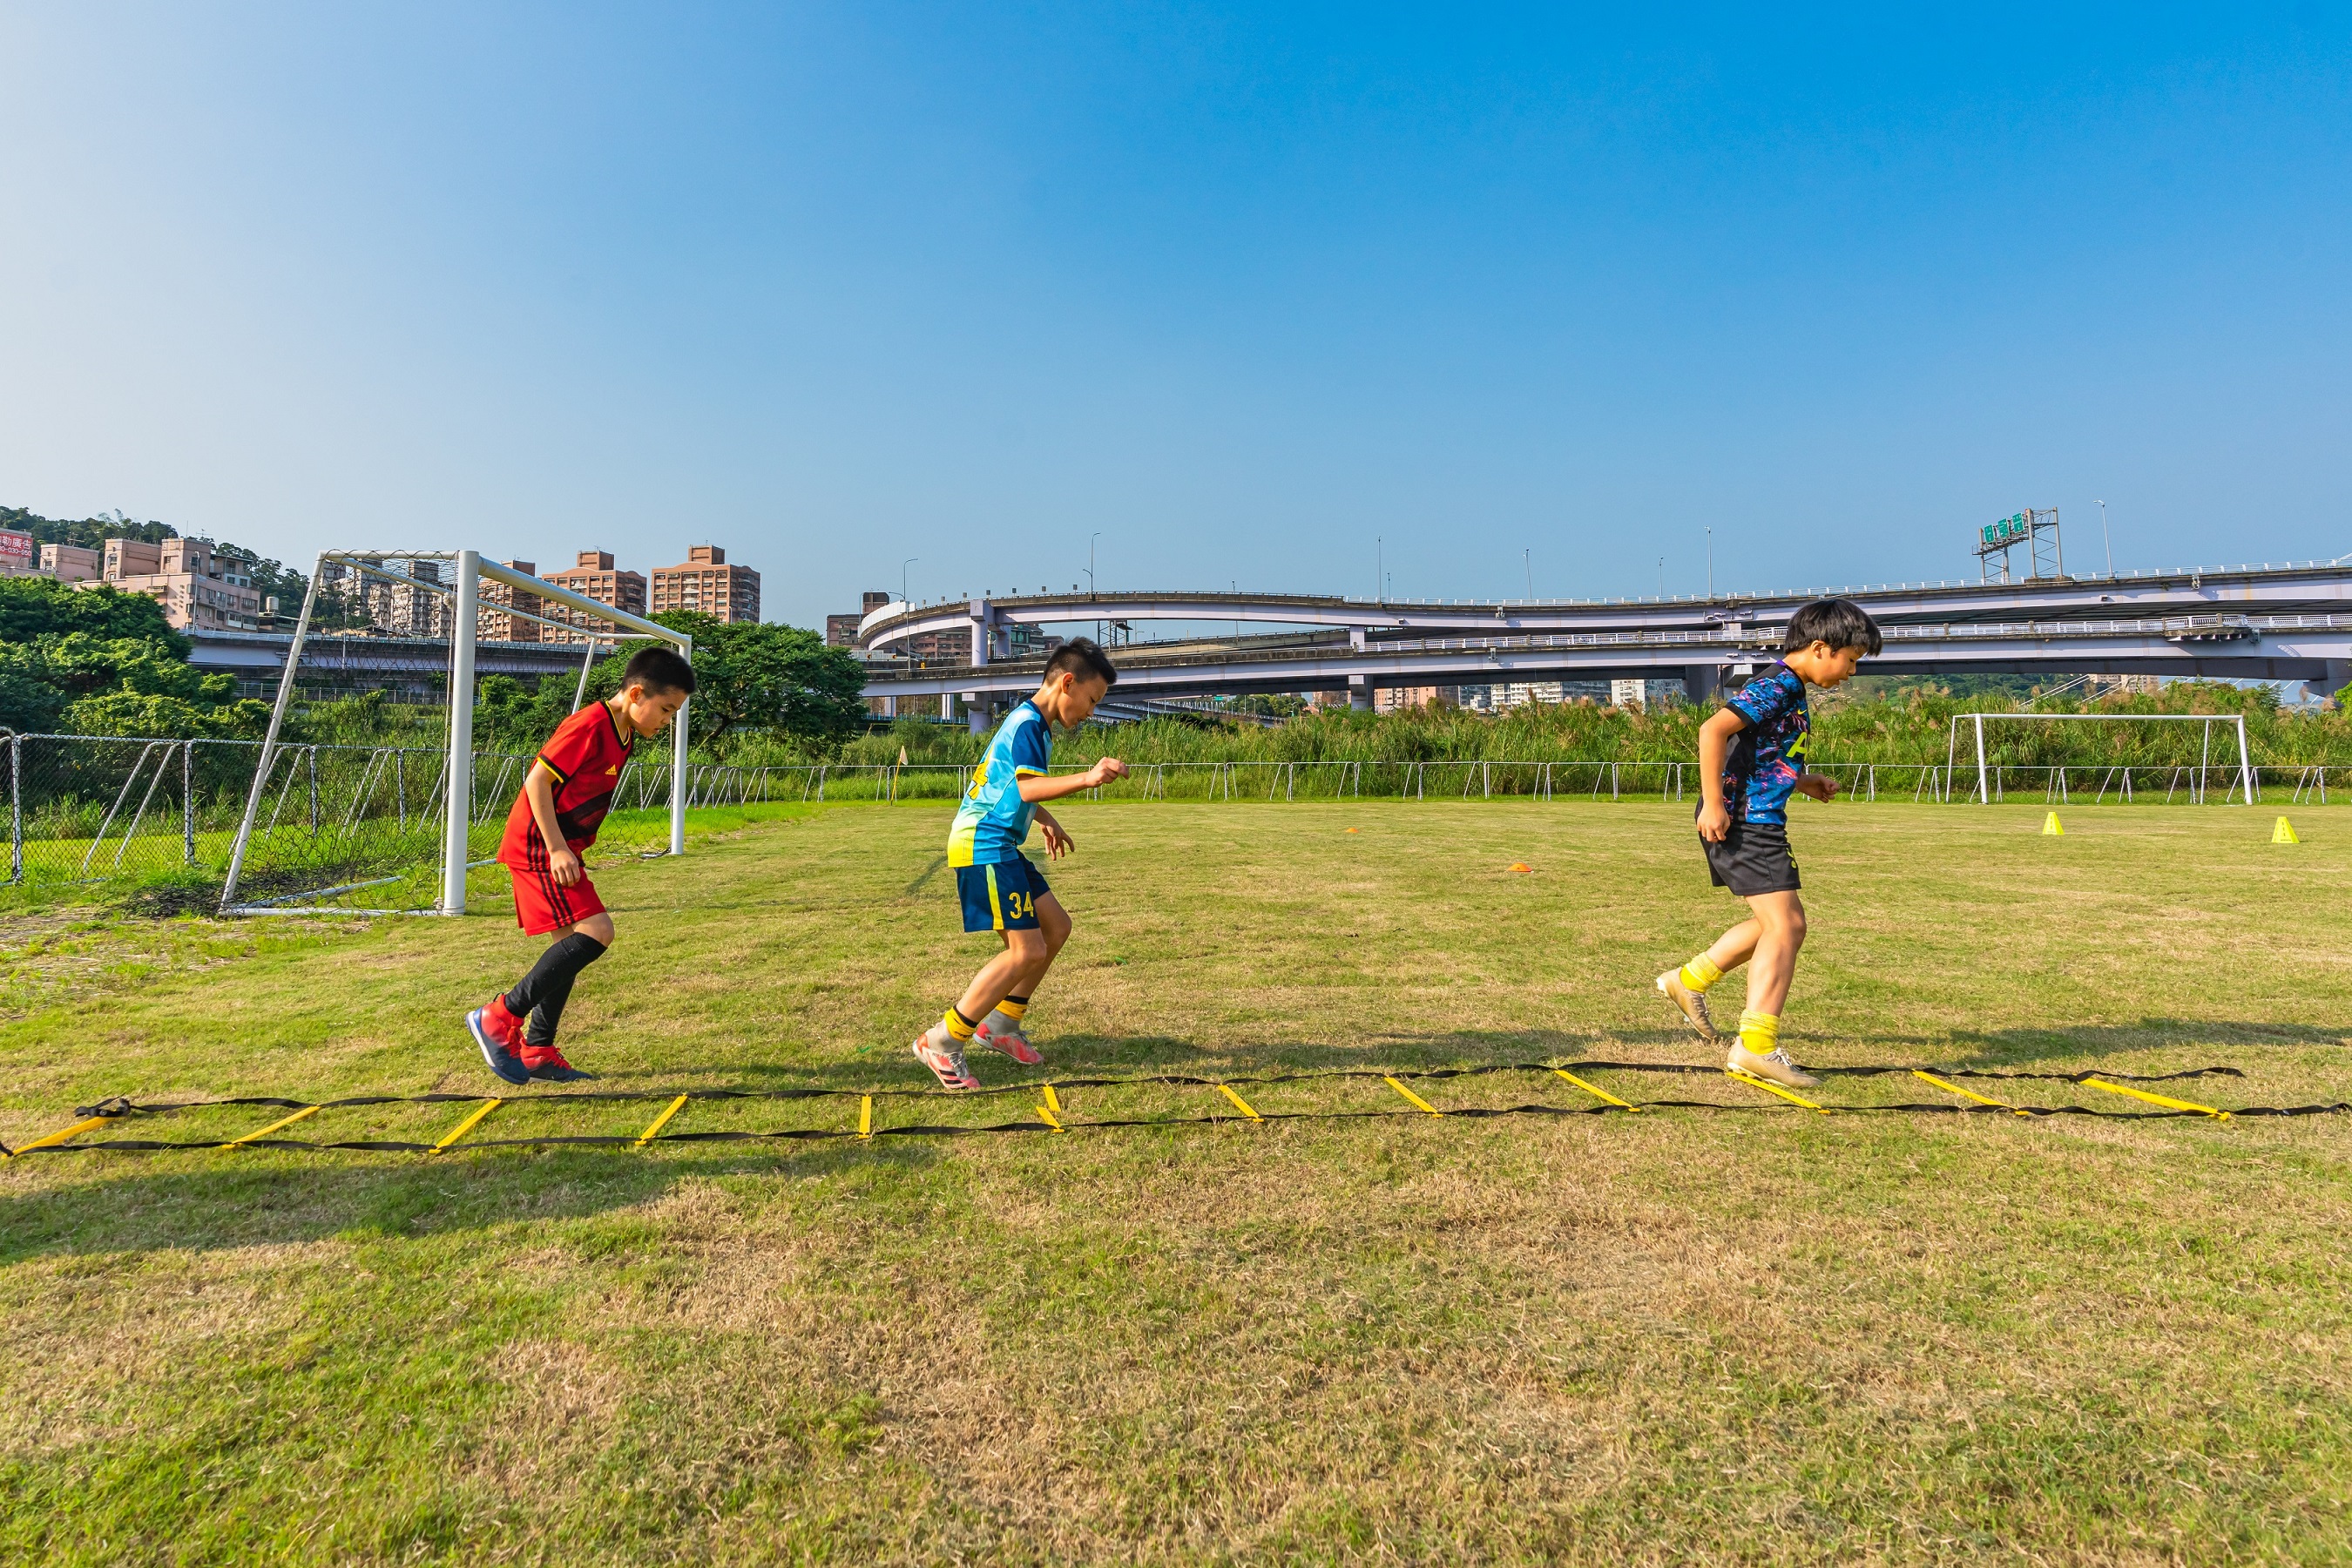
[
  {"x": 34, "y": 607},
  {"x": 752, "y": 677},
  {"x": 93, "y": 685}
]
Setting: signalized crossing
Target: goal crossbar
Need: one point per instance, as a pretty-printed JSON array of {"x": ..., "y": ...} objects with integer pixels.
[
  {"x": 465, "y": 616},
  {"x": 2237, "y": 722}
]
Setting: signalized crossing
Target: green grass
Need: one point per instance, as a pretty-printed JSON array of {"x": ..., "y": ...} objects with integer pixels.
[{"x": 1681, "y": 1336}]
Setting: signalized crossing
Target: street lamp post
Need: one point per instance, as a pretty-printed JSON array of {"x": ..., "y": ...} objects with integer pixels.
[
  {"x": 1710, "y": 565},
  {"x": 2105, "y": 539},
  {"x": 902, "y": 576},
  {"x": 1090, "y": 562}
]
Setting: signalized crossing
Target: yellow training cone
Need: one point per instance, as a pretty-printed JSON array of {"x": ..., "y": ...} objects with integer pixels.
[
  {"x": 2283, "y": 833},
  {"x": 2052, "y": 828}
]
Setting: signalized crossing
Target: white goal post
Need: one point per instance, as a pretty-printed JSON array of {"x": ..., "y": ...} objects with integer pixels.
[
  {"x": 2246, "y": 785},
  {"x": 465, "y": 608}
]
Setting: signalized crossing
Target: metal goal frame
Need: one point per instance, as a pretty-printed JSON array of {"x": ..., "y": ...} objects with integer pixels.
[
  {"x": 465, "y": 612},
  {"x": 2246, "y": 785}
]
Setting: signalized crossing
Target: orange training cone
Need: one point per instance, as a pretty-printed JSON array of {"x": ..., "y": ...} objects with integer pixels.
[{"x": 1523, "y": 866}]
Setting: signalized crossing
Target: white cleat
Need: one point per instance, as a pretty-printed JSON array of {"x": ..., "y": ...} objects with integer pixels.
[
  {"x": 1780, "y": 1067},
  {"x": 1690, "y": 1004}
]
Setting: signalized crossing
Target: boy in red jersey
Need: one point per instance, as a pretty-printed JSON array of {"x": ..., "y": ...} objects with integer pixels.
[{"x": 564, "y": 801}]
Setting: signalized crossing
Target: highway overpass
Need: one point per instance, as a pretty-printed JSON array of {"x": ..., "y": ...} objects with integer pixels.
[{"x": 2291, "y": 622}]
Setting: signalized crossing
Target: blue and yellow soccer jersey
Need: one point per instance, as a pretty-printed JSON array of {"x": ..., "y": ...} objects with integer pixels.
[
  {"x": 1761, "y": 767},
  {"x": 993, "y": 819}
]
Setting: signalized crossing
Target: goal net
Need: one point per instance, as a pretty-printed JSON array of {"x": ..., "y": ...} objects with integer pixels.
[
  {"x": 2219, "y": 736},
  {"x": 371, "y": 795}
]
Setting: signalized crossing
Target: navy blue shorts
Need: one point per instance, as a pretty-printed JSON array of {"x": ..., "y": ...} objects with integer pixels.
[{"x": 1002, "y": 896}]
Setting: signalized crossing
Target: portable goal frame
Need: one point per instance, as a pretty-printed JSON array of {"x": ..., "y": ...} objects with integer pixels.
[
  {"x": 2246, "y": 785},
  {"x": 464, "y": 613}
]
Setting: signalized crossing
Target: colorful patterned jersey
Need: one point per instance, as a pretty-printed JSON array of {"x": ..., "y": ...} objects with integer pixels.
[
  {"x": 586, "y": 754},
  {"x": 1761, "y": 767},
  {"x": 993, "y": 819}
]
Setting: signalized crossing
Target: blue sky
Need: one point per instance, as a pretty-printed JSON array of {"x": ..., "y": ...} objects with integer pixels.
[{"x": 1244, "y": 289}]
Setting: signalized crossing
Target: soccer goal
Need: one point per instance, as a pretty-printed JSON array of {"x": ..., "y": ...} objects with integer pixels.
[
  {"x": 382, "y": 805},
  {"x": 2239, "y": 783}
]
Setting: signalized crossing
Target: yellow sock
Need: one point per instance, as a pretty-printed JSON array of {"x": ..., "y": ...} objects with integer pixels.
[
  {"x": 959, "y": 1027},
  {"x": 1760, "y": 1032},
  {"x": 1699, "y": 973},
  {"x": 1012, "y": 1009}
]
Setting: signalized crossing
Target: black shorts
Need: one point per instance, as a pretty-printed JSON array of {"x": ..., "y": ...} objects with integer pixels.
[{"x": 1753, "y": 859}]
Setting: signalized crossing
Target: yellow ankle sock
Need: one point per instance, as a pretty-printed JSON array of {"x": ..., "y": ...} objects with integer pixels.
[
  {"x": 960, "y": 1028},
  {"x": 1012, "y": 1009},
  {"x": 1760, "y": 1032},
  {"x": 1699, "y": 973}
]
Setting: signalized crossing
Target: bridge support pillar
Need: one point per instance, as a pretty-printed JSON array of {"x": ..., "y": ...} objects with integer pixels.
[
  {"x": 1701, "y": 681},
  {"x": 2339, "y": 674},
  {"x": 1359, "y": 694},
  {"x": 975, "y": 712}
]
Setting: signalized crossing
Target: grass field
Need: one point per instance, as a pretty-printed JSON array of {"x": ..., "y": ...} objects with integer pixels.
[{"x": 1762, "y": 1335}]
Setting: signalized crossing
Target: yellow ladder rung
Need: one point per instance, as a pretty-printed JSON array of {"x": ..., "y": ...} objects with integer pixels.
[
  {"x": 468, "y": 1124},
  {"x": 672, "y": 1108},
  {"x": 1410, "y": 1096},
  {"x": 1239, "y": 1103},
  {"x": 1965, "y": 1093},
  {"x": 866, "y": 1116},
  {"x": 1596, "y": 1093},
  {"x": 1769, "y": 1087},
  {"x": 1046, "y": 1117},
  {"x": 1052, "y": 1102},
  {"x": 60, "y": 1136},
  {"x": 2217, "y": 1115},
  {"x": 265, "y": 1131}
]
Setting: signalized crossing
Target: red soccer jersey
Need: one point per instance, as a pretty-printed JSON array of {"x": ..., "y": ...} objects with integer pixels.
[{"x": 586, "y": 754}]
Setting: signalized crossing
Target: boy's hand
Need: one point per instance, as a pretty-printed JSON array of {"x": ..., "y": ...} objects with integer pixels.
[
  {"x": 1821, "y": 787},
  {"x": 1103, "y": 771},
  {"x": 565, "y": 865},
  {"x": 1713, "y": 822},
  {"x": 1057, "y": 842}
]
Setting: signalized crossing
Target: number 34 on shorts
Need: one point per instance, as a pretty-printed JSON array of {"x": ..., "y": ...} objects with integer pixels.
[{"x": 1002, "y": 896}]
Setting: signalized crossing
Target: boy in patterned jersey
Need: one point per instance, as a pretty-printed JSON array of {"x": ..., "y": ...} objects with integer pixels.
[
  {"x": 1751, "y": 758},
  {"x": 1001, "y": 889},
  {"x": 564, "y": 801}
]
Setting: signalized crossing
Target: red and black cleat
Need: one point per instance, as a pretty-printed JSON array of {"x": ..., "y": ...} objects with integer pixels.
[
  {"x": 500, "y": 1035},
  {"x": 546, "y": 1064}
]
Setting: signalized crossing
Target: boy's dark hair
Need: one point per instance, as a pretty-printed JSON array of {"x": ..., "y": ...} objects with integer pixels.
[
  {"x": 1084, "y": 656},
  {"x": 659, "y": 669},
  {"x": 1841, "y": 622}
]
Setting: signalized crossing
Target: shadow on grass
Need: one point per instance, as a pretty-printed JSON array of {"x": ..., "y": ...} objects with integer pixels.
[
  {"x": 2004, "y": 1048},
  {"x": 156, "y": 1202}
]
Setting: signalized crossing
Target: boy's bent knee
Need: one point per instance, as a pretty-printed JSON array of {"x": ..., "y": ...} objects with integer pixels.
[{"x": 597, "y": 928}]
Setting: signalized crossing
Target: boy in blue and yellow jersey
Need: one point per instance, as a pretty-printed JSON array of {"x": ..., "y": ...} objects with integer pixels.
[
  {"x": 1002, "y": 890},
  {"x": 1751, "y": 758}
]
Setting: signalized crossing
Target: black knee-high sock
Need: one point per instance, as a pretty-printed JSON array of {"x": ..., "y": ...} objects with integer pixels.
[
  {"x": 550, "y": 982},
  {"x": 540, "y": 1030}
]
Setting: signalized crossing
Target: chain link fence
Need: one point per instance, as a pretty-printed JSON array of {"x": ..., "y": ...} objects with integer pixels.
[{"x": 85, "y": 808}]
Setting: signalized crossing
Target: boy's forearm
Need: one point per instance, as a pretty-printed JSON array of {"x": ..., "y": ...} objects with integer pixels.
[
  {"x": 540, "y": 793},
  {"x": 1713, "y": 746},
  {"x": 1037, "y": 787}
]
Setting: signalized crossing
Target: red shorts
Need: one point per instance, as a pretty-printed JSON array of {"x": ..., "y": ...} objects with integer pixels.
[{"x": 541, "y": 906}]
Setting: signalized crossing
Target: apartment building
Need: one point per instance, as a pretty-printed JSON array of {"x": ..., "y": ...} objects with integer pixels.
[
  {"x": 72, "y": 564},
  {"x": 707, "y": 583},
  {"x": 199, "y": 588},
  {"x": 495, "y": 620},
  {"x": 594, "y": 577},
  {"x": 841, "y": 630}
]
